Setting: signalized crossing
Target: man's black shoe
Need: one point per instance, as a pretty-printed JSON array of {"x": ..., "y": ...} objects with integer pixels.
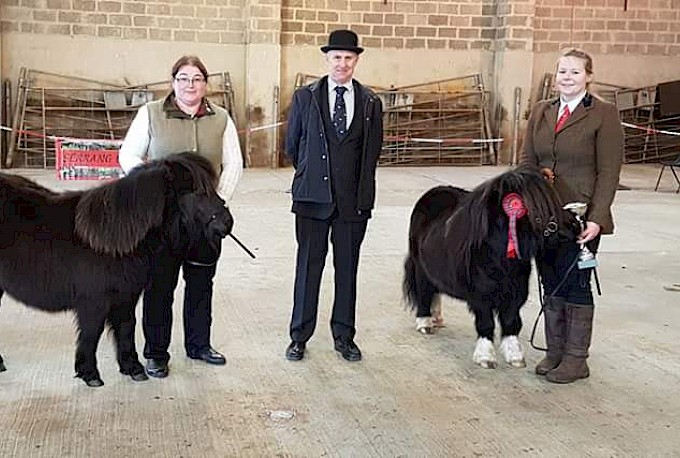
[
  {"x": 210, "y": 356},
  {"x": 157, "y": 368},
  {"x": 295, "y": 351},
  {"x": 348, "y": 349}
]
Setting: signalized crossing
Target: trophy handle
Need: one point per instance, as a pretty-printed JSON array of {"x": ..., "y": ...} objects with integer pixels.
[{"x": 586, "y": 257}]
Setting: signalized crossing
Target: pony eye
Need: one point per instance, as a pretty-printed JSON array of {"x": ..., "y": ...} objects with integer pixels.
[{"x": 213, "y": 217}]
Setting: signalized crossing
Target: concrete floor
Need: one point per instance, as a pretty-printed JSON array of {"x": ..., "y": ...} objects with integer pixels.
[{"x": 412, "y": 395}]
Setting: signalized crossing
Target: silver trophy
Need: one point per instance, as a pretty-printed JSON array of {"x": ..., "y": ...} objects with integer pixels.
[{"x": 586, "y": 259}]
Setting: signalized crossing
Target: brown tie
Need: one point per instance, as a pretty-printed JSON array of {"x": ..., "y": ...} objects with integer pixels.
[{"x": 563, "y": 118}]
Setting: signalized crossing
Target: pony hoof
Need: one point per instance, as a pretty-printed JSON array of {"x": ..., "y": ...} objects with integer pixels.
[
  {"x": 135, "y": 370},
  {"x": 512, "y": 351},
  {"x": 488, "y": 364},
  {"x": 484, "y": 353},
  {"x": 2, "y": 367},
  {"x": 95, "y": 382},
  {"x": 424, "y": 325},
  {"x": 139, "y": 377}
]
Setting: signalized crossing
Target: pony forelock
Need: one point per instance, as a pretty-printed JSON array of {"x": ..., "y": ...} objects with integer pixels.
[
  {"x": 116, "y": 217},
  {"x": 538, "y": 196},
  {"x": 482, "y": 208}
]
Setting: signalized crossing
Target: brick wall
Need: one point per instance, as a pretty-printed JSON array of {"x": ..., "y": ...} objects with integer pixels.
[
  {"x": 647, "y": 27},
  {"x": 443, "y": 37},
  {"x": 264, "y": 21},
  {"x": 514, "y": 21},
  {"x": 202, "y": 21},
  {"x": 418, "y": 24}
]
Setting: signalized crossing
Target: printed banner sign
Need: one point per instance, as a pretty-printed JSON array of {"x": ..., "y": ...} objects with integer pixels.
[{"x": 83, "y": 159}]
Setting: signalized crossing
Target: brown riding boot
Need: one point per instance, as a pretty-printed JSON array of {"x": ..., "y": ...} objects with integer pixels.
[
  {"x": 555, "y": 334},
  {"x": 579, "y": 333}
]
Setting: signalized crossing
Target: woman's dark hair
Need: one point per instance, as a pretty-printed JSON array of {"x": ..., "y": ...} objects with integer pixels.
[{"x": 189, "y": 60}]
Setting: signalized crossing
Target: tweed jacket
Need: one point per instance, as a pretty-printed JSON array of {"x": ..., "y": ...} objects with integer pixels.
[{"x": 585, "y": 154}]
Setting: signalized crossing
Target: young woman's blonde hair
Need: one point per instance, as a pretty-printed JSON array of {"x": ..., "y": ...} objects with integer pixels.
[{"x": 581, "y": 54}]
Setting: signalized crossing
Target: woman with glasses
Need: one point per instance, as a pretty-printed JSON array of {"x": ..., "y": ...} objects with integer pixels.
[{"x": 183, "y": 121}]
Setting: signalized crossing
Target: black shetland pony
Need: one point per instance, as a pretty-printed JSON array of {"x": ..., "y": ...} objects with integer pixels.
[
  {"x": 90, "y": 251},
  {"x": 477, "y": 246}
]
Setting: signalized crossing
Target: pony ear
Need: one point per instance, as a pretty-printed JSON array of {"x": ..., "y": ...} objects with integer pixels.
[{"x": 115, "y": 218}]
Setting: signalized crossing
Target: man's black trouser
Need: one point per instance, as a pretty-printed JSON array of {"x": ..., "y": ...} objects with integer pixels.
[{"x": 312, "y": 238}]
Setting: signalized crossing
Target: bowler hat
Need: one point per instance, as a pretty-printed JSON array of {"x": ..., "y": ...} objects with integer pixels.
[{"x": 342, "y": 40}]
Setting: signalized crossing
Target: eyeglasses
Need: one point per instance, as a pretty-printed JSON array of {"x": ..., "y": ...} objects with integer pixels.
[{"x": 186, "y": 81}]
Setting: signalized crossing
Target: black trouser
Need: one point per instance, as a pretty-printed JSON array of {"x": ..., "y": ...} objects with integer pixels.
[
  {"x": 198, "y": 272},
  {"x": 312, "y": 238},
  {"x": 553, "y": 266}
]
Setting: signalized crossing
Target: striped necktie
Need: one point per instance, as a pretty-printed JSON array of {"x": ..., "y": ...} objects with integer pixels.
[
  {"x": 340, "y": 112},
  {"x": 563, "y": 119}
]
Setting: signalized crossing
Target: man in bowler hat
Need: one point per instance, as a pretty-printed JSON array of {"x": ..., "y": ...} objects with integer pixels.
[{"x": 334, "y": 138}]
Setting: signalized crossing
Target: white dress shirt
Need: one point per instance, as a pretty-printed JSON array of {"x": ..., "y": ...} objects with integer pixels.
[
  {"x": 348, "y": 96},
  {"x": 571, "y": 104}
]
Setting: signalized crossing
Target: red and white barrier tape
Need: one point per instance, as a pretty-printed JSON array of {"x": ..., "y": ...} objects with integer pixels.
[
  {"x": 54, "y": 137},
  {"x": 445, "y": 141},
  {"x": 266, "y": 126},
  {"x": 649, "y": 130},
  {"x": 31, "y": 133},
  {"x": 442, "y": 141}
]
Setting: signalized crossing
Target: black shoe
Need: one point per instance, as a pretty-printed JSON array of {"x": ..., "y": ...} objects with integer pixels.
[
  {"x": 157, "y": 368},
  {"x": 210, "y": 356},
  {"x": 348, "y": 349},
  {"x": 295, "y": 351}
]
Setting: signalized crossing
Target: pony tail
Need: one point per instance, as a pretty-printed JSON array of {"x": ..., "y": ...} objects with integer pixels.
[
  {"x": 409, "y": 283},
  {"x": 115, "y": 218},
  {"x": 419, "y": 219}
]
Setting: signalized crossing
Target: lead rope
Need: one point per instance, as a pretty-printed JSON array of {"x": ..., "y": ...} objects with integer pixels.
[{"x": 552, "y": 295}]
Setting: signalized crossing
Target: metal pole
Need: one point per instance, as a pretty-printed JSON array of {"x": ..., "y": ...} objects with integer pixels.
[
  {"x": 275, "y": 136},
  {"x": 4, "y": 117},
  {"x": 515, "y": 124},
  {"x": 18, "y": 111}
]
